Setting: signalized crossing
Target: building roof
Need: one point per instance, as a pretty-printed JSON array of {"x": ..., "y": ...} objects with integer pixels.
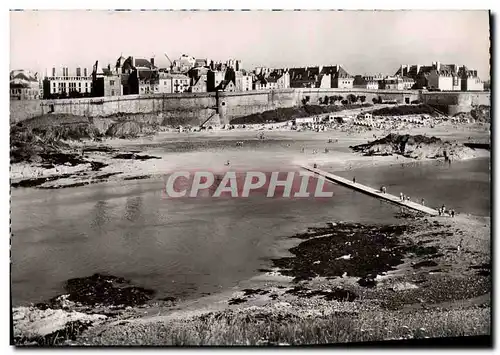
[
  {"x": 201, "y": 80},
  {"x": 143, "y": 63},
  {"x": 200, "y": 62},
  {"x": 19, "y": 85},
  {"x": 224, "y": 84},
  {"x": 22, "y": 75},
  {"x": 342, "y": 74},
  {"x": 177, "y": 76},
  {"x": 146, "y": 74}
]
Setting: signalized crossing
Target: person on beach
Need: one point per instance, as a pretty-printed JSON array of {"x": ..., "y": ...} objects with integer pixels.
[
  {"x": 423, "y": 202},
  {"x": 315, "y": 165},
  {"x": 354, "y": 180},
  {"x": 452, "y": 212},
  {"x": 401, "y": 196},
  {"x": 443, "y": 208}
]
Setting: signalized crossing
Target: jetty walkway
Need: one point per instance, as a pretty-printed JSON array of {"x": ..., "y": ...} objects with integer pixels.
[{"x": 372, "y": 192}]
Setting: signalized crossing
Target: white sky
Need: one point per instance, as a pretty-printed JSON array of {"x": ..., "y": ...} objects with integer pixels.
[{"x": 362, "y": 41}]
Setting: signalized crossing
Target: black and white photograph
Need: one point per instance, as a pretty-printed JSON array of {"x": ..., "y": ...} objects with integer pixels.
[{"x": 253, "y": 178}]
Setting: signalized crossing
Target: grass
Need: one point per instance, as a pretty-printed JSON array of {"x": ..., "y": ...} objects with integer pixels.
[
  {"x": 405, "y": 110},
  {"x": 255, "y": 327}
]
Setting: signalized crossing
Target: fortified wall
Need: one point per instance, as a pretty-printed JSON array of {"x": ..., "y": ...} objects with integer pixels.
[{"x": 196, "y": 108}]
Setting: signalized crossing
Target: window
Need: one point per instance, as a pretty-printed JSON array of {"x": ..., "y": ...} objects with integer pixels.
[
  {"x": 112, "y": 92},
  {"x": 79, "y": 85},
  {"x": 112, "y": 82}
]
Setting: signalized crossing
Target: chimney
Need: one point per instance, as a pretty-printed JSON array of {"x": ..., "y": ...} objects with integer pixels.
[
  {"x": 153, "y": 62},
  {"x": 438, "y": 65},
  {"x": 53, "y": 71}
]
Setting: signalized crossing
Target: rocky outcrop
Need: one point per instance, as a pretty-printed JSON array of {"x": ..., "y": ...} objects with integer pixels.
[{"x": 416, "y": 147}]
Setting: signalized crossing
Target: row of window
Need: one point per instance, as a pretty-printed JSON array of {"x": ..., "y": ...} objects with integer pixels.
[
  {"x": 66, "y": 71},
  {"x": 23, "y": 91},
  {"x": 71, "y": 85},
  {"x": 61, "y": 90}
]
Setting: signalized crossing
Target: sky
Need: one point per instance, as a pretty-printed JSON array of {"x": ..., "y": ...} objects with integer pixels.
[{"x": 363, "y": 42}]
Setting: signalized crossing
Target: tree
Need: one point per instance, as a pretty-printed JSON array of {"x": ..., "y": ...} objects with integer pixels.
[
  {"x": 362, "y": 98},
  {"x": 333, "y": 99},
  {"x": 375, "y": 101},
  {"x": 305, "y": 100},
  {"x": 340, "y": 98},
  {"x": 325, "y": 100},
  {"x": 345, "y": 102},
  {"x": 352, "y": 98},
  {"x": 320, "y": 100}
]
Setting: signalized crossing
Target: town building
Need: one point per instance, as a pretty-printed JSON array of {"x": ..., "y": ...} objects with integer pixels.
[
  {"x": 184, "y": 63},
  {"x": 64, "y": 83},
  {"x": 366, "y": 82},
  {"x": 241, "y": 80},
  {"x": 469, "y": 80},
  {"x": 276, "y": 79},
  {"x": 226, "y": 85},
  {"x": 106, "y": 82},
  {"x": 178, "y": 82},
  {"x": 24, "y": 85},
  {"x": 138, "y": 75},
  {"x": 325, "y": 77},
  {"x": 397, "y": 83},
  {"x": 442, "y": 77},
  {"x": 234, "y": 64},
  {"x": 200, "y": 85}
]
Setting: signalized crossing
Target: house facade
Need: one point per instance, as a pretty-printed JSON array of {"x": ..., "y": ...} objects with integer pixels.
[
  {"x": 325, "y": 77},
  {"x": 366, "y": 82},
  {"x": 105, "y": 82},
  {"x": 200, "y": 85},
  {"x": 442, "y": 77},
  {"x": 271, "y": 80},
  {"x": 64, "y": 82},
  {"x": 24, "y": 85},
  {"x": 469, "y": 80},
  {"x": 397, "y": 83}
]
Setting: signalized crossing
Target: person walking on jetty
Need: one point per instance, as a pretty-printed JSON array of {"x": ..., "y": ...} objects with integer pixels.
[
  {"x": 452, "y": 212},
  {"x": 354, "y": 180},
  {"x": 401, "y": 196},
  {"x": 423, "y": 202}
]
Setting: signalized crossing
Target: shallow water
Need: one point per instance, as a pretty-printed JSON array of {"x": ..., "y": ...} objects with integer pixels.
[{"x": 187, "y": 247}]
